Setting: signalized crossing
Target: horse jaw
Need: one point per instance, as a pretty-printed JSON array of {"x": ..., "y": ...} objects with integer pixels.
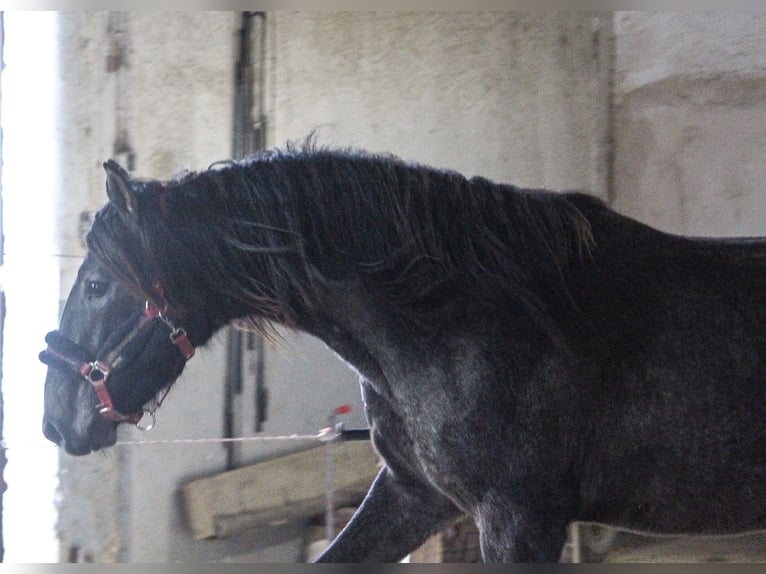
[{"x": 87, "y": 430}]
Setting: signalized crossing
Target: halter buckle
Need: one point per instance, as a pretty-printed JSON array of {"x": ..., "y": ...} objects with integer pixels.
[{"x": 95, "y": 371}]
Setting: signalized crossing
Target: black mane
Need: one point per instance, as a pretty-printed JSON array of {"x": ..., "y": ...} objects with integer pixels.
[{"x": 426, "y": 242}]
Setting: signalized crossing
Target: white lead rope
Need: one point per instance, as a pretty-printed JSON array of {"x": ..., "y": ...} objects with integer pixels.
[{"x": 322, "y": 436}]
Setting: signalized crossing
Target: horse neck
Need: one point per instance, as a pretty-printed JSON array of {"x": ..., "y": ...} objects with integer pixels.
[{"x": 262, "y": 249}]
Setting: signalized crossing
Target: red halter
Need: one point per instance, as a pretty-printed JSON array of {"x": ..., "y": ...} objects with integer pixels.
[{"x": 97, "y": 372}]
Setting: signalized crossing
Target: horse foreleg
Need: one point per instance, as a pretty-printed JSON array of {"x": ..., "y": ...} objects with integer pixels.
[
  {"x": 509, "y": 535},
  {"x": 394, "y": 519}
]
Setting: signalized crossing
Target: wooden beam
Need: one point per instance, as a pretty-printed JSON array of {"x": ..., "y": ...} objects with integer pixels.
[{"x": 277, "y": 490}]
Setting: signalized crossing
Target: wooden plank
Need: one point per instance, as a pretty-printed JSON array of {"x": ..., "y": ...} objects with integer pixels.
[{"x": 290, "y": 487}]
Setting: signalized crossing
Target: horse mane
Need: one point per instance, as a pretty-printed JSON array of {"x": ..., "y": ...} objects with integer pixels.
[{"x": 268, "y": 230}]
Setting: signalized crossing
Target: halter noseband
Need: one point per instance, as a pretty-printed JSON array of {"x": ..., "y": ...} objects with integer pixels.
[{"x": 96, "y": 372}]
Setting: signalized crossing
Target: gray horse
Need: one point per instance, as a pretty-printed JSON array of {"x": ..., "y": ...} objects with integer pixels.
[{"x": 525, "y": 357}]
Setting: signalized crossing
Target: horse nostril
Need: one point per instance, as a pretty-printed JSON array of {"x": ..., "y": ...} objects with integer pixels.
[{"x": 50, "y": 432}]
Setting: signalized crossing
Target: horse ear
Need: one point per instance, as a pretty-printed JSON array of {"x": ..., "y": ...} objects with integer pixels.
[{"x": 119, "y": 189}]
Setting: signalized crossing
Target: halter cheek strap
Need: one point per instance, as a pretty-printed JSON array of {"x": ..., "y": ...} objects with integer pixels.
[
  {"x": 162, "y": 202},
  {"x": 96, "y": 373},
  {"x": 178, "y": 335}
]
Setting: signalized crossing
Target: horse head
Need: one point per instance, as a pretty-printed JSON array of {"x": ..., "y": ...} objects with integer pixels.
[{"x": 114, "y": 352}]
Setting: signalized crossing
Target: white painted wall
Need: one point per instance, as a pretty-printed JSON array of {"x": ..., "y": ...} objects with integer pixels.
[
  {"x": 690, "y": 121},
  {"x": 516, "y": 97},
  {"x": 175, "y": 104}
]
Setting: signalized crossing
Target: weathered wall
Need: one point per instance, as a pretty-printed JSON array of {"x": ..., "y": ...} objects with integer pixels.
[
  {"x": 690, "y": 121},
  {"x": 516, "y": 97},
  {"x": 139, "y": 73}
]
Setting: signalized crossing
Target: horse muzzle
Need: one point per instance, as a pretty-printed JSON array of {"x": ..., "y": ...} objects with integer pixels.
[{"x": 79, "y": 432}]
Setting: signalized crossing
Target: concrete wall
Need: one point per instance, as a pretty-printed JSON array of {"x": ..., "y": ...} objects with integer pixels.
[
  {"x": 516, "y": 97},
  {"x": 690, "y": 121},
  {"x": 136, "y": 74}
]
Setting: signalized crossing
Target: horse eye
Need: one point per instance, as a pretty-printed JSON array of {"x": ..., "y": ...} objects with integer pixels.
[{"x": 95, "y": 288}]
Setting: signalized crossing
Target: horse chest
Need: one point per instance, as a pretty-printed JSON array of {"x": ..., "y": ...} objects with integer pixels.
[{"x": 420, "y": 433}]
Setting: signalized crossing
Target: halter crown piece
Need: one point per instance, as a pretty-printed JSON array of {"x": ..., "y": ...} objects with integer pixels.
[{"x": 63, "y": 352}]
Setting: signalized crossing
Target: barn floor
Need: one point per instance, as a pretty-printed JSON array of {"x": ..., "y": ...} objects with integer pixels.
[
  {"x": 460, "y": 543},
  {"x": 603, "y": 544}
]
